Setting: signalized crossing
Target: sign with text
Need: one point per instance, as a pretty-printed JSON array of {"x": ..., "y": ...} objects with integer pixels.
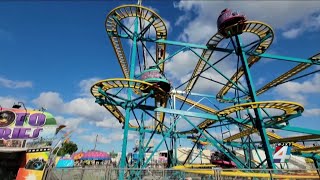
[{"x": 20, "y": 124}]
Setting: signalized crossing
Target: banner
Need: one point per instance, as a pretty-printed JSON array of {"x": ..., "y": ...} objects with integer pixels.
[
  {"x": 21, "y": 128},
  {"x": 34, "y": 165}
]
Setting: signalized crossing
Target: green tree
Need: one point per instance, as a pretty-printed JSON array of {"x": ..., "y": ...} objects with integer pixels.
[
  {"x": 67, "y": 148},
  {"x": 113, "y": 154}
]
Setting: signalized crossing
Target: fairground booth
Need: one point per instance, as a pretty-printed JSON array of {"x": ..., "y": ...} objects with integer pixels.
[{"x": 26, "y": 137}]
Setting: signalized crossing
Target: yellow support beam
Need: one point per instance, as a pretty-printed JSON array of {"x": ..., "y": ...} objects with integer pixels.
[
  {"x": 309, "y": 148},
  {"x": 295, "y": 138},
  {"x": 300, "y": 67},
  {"x": 237, "y": 173}
]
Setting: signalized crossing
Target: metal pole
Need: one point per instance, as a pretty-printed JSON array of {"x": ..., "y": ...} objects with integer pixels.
[
  {"x": 175, "y": 148},
  {"x": 127, "y": 118},
  {"x": 258, "y": 119},
  {"x": 95, "y": 144}
]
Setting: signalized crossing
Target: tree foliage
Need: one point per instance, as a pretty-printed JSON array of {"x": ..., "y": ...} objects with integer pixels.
[
  {"x": 67, "y": 148},
  {"x": 113, "y": 154}
]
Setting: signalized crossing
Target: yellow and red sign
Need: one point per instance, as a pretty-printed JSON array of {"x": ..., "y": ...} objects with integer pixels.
[{"x": 33, "y": 167}]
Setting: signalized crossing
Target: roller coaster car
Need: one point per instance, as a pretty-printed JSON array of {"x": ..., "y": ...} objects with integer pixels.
[
  {"x": 220, "y": 159},
  {"x": 153, "y": 75},
  {"x": 228, "y": 18}
]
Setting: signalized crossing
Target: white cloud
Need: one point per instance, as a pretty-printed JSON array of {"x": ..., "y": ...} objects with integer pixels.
[
  {"x": 298, "y": 91},
  {"x": 191, "y": 34},
  {"x": 182, "y": 19},
  {"x": 14, "y": 84},
  {"x": 202, "y": 85},
  {"x": 83, "y": 107},
  {"x": 49, "y": 100},
  {"x": 311, "y": 112},
  {"x": 7, "y": 101},
  {"x": 292, "y": 33},
  {"x": 181, "y": 64},
  {"x": 278, "y": 14},
  {"x": 109, "y": 123},
  {"x": 85, "y": 86},
  {"x": 261, "y": 81},
  {"x": 92, "y": 138},
  {"x": 115, "y": 136},
  {"x": 310, "y": 23},
  {"x": 71, "y": 123}
]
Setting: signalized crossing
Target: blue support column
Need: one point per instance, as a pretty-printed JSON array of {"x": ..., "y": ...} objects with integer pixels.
[
  {"x": 142, "y": 148},
  {"x": 127, "y": 118},
  {"x": 258, "y": 119}
]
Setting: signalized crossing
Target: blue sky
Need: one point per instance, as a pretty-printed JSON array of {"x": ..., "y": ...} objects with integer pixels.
[{"x": 52, "y": 52}]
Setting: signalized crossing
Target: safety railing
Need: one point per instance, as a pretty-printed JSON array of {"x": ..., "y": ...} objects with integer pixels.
[{"x": 99, "y": 173}]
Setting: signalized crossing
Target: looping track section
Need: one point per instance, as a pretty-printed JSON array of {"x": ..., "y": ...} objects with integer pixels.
[
  {"x": 143, "y": 101},
  {"x": 99, "y": 89},
  {"x": 113, "y": 24},
  {"x": 262, "y": 30}
]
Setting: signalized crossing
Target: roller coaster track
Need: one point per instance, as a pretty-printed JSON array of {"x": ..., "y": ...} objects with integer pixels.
[
  {"x": 300, "y": 67},
  {"x": 109, "y": 84},
  {"x": 277, "y": 139},
  {"x": 288, "y": 107},
  {"x": 113, "y": 23},
  {"x": 115, "y": 28},
  {"x": 213, "y": 42},
  {"x": 253, "y": 130},
  {"x": 309, "y": 148},
  {"x": 262, "y": 30},
  {"x": 295, "y": 138},
  {"x": 237, "y": 174}
]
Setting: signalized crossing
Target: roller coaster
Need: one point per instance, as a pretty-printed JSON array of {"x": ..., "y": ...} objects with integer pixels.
[{"x": 147, "y": 103}]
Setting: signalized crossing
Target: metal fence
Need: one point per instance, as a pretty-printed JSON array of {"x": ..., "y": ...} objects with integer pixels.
[{"x": 109, "y": 173}]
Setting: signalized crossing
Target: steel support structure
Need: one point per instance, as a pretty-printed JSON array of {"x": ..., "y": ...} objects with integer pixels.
[
  {"x": 258, "y": 117},
  {"x": 146, "y": 107},
  {"x": 129, "y": 97}
]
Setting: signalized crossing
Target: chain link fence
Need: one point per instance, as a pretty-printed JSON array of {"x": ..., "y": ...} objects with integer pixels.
[{"x": 89, "y": 173}]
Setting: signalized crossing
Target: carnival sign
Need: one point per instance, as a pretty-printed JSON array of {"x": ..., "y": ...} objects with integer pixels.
[{"x": 21, "y": 124}]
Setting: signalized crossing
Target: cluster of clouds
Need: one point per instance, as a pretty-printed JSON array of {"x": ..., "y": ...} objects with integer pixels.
[
  {"x": 198, "y": 23},
  {"x": 284, "y": 15},
  {"x": 292, "y": 18},
  {"x": 12, "y": 84}
]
